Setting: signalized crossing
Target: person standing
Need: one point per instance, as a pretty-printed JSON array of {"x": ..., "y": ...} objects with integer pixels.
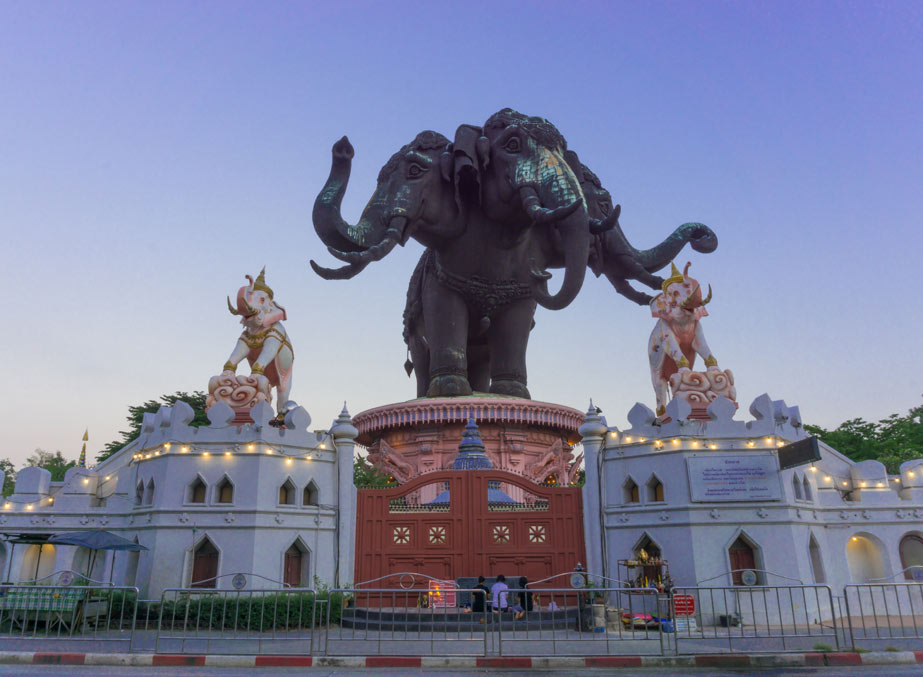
[{"x": 499, "y": 593}]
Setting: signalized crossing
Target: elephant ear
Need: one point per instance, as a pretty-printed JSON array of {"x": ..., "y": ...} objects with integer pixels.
[{"x": 465, "y": 161}]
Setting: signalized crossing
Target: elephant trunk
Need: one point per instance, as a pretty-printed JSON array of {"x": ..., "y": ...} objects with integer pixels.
[
  {"x": 329, "y": 224},
  {"x": 573, "y": 229},
  {"x": 698, "y": 235}
]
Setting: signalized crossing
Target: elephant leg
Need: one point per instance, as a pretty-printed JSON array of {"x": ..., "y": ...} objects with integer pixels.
[
  {"x": 508, "y": 337},
  {"x": 241, "y": 350},
  {"x": 479, "y": 366},
  {"x": 419, "y": 357},
  {"x": 446, "y": 319},
  {"x": 625, "y": 289},
  {"x": 267, "y": 354}
]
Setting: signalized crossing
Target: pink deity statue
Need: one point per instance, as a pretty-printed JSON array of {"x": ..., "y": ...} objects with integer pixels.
[
  {"x": 676, "y": 340},
  {"x": 265, "y": 345}
]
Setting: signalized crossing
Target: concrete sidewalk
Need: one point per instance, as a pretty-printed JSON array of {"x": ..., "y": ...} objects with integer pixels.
[{"x": 838, "y": 659}]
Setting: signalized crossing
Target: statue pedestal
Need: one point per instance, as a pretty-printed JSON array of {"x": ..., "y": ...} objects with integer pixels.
[
  {"x": 241, "y": 393},
  {"x": 700, "y": 388}
]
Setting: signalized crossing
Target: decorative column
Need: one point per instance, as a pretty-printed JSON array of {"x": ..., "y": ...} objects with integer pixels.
[
  {"x": 344, "y": 435},
  {"x": 593, "y": 431}
]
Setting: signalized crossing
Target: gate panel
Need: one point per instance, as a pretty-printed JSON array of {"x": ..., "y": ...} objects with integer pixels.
[{"x": 455, "y": 523}]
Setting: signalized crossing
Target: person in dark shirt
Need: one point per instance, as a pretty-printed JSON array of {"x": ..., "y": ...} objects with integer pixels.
[
  {"x": 523, "y": 599},
  {"x": 479, "y": 596}
]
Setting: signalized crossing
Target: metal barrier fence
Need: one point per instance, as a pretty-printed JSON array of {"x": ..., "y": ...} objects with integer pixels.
[
  {"x": 376, "y": 621},
  {"x": 230, "y": 621},
  {"x": 879, "y": 612},
  {"x": 758, "y": 618},
  {"x": 587, "y": 621},
  {"x": 369, "y": 621},
  {"x": 99, "y": 618}
]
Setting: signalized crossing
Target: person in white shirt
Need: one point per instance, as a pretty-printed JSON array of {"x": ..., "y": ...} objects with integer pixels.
[{"x": 499, "y": 594}]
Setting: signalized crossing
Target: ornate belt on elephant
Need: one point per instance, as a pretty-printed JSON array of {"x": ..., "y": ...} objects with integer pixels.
[
  {"x": 484, "y": 296},
  {"x": 255, "y": 341}
]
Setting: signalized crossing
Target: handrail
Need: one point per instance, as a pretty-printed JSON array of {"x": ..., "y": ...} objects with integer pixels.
[
  {"x": 899, "y": 573},
  {"x": 36, "y": 581},
  {"x": 735, "y": 571},
  {"x": 197, "y": 584}
]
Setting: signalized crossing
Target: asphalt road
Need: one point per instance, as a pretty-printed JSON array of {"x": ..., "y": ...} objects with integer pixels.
[{"x": 58, "y": 671}]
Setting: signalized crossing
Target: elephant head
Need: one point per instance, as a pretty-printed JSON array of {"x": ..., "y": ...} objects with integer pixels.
[
  {"x": 611, "y": 252},
  {"x": 411, "y": 196},
  {"x": 681, "y": 301},
  {"x": 525, "y": 181},
  {"x": 255, "y": 304}
]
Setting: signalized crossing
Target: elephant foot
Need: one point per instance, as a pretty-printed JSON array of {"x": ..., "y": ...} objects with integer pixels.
[
  {"x": 448, "y": 385},
  {"x": 512, "y": 388}
]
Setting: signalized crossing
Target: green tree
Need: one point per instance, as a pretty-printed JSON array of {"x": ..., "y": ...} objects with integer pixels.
[
  {"x": 367, "y": 475},
  {"x": 53, "y": 462},
  {"x": 892, "y": 440},
  {"x": 9, "y": 476},
  {"x": 196, "y": 400}
]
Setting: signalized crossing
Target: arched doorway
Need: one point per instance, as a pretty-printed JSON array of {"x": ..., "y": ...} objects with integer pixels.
[
  {"x": 817, "y": 563},
  {"x": 911, "y": 551},
  {"x": 204, "y": 565},
  {"x": 295, "y": 565},
  {"x": 38, "y": 562},
  {"x": 743, "y": 555},
  {"x": 865, "y": 559}
]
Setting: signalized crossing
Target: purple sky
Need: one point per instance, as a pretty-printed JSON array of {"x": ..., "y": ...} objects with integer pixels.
[{"x": 154, "y": 153}]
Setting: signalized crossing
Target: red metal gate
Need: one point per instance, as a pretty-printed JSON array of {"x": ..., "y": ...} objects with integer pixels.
[{"x": 455, "y": 523}]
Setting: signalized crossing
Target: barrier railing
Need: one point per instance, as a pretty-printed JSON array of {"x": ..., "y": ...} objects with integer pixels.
[
  {"x": 230, "y": 621},
  {"x": 583, "y": 621},
  {"x": 377, "y": 621},
  {"x": 753, "y": 618},
  {"x": 879, "y": 612},
  {"x": 98, "y": 617}
]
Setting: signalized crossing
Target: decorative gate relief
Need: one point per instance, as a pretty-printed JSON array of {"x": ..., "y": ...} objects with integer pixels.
[{"x": 454, "y": 523}]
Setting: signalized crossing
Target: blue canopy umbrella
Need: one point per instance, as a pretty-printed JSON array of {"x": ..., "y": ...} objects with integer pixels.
[{"x": 96, "y": 539}]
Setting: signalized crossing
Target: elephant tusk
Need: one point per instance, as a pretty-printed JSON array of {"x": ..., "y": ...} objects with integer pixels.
[
  {"x": 687, "y": 303},
  {"x": 538, "y": 274},
  {"x": 598, "y": 226},
  {"x": 376, "y": 252},
  {"x": 707, "y": 298},
  {"x": 344, "y": 273},
  {"x": 233, "y": 310}
]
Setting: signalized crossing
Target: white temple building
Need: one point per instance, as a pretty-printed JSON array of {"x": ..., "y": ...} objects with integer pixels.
[{"x": 274, "y": 503}]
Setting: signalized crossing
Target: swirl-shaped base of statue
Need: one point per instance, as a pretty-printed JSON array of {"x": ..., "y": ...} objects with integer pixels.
[
  {"x": 700, "y": 388},
  {"x": 241, "y": 393}
]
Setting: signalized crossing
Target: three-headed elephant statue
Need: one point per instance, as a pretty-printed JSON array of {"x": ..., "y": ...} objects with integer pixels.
[
  {"x": 677, "y": 337},
  {"x": 264, "y": 341},
  {"x": 495, "y": 207}
]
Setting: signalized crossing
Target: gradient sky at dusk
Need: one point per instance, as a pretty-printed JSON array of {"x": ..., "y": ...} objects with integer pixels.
[{"x": 154, "y": 153}]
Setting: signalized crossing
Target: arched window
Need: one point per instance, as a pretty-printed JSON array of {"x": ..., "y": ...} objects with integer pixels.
[
  {"x": 911, "y": 551},
  {"x": 796, "y": 487},
  {"x": 139, "y": 493},
  {"x": 864, "y": 558},
  {"x": 651, "y": 548},
  {"x": 287, "y": 493},
  {"x": 807, "y": 489},
  {"x": 195, "y": 493},
  {"x": 224, "y": 492},
  {"x": 149, "y": 494},
  {"x": 743, "y": 555},
  {"x": 632, "y": 495},
  {"x": 204, "y": 565},
  {"x": 309, "y": 497},
  {"x": 817, "y": 564},
  {"x": 655, "y": 490}
]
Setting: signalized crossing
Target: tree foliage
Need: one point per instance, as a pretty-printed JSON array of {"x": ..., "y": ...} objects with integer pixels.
[
  {"x": 136, "y": 413},
  {"x": 9, "y": 476},
  {"x": 892, "y": 440},
  {"x": 53, "y": 462},
  {"x": 367, "y": 475}
]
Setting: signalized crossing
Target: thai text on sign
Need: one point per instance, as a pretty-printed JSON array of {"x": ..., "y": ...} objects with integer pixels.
[
  {"x": 683, "y": 605},
  {"x": 442, "y": 594}
]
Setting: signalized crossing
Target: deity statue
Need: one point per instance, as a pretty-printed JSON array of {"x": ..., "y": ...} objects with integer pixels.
[
  {"x": 676, "y": 339},
  {"x": 266, "y": 346}
]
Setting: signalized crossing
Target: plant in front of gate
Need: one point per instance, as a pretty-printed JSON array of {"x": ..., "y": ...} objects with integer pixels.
[{"x": 823, "y": 648}]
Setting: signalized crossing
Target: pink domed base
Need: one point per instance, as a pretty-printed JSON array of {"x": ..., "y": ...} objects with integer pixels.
[{"x": 534, "y": 439}]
